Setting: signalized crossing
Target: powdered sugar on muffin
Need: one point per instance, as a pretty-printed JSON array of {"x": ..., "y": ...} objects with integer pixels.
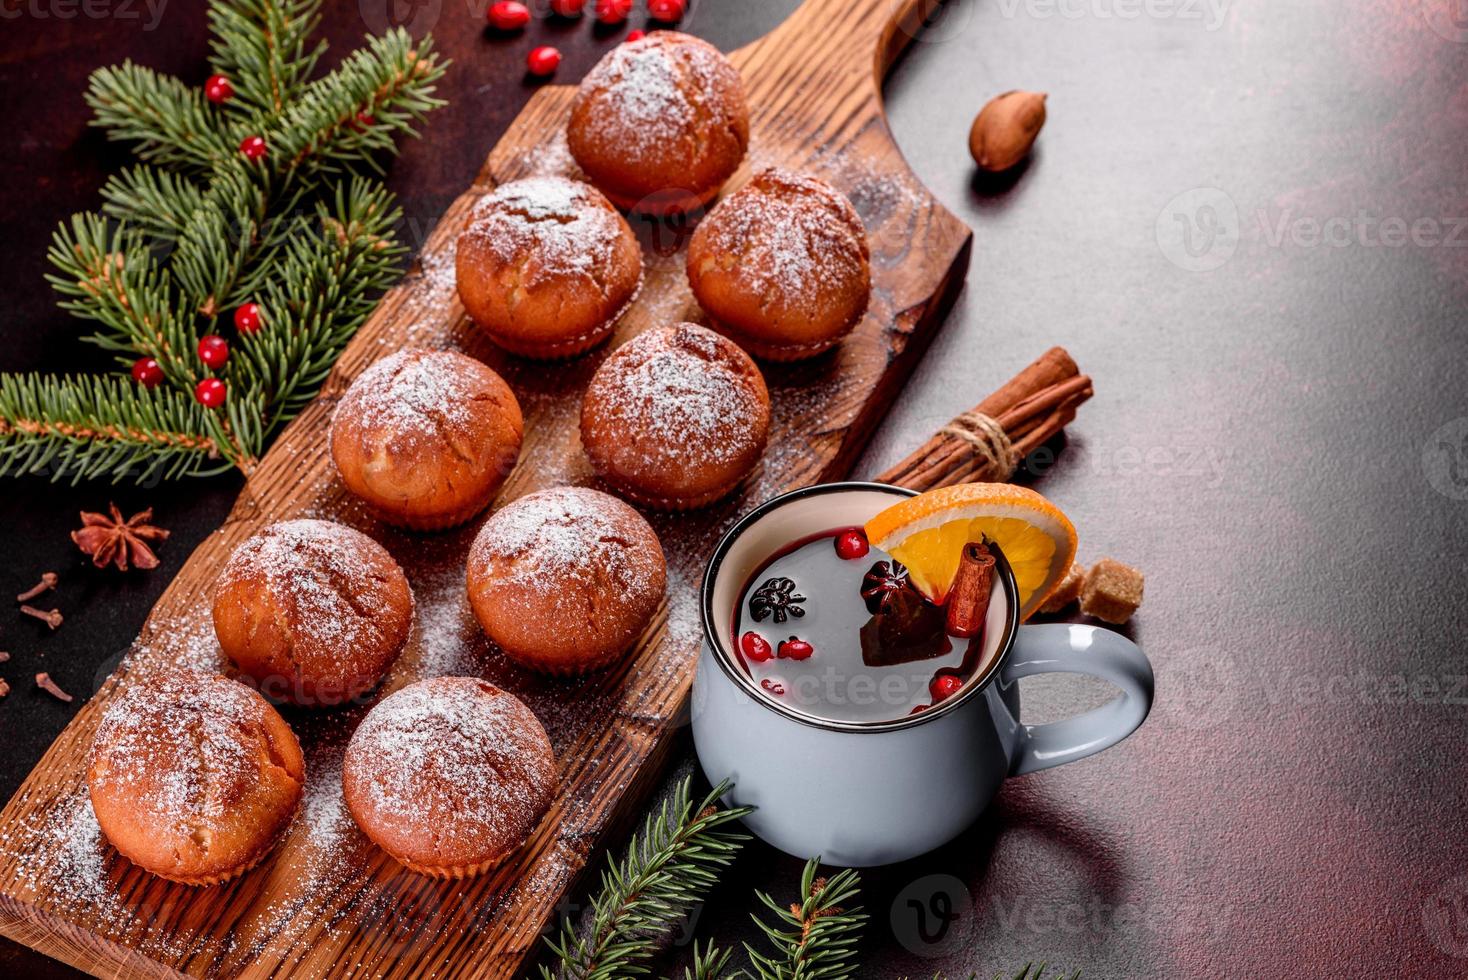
[
  {"x": 552, "y": 227},
  {"x": 564, "y": 580},
  {"x": 449, "y": 775}
]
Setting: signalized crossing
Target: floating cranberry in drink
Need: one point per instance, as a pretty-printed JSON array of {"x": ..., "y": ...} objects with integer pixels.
[{"x": 832, "y": 627}]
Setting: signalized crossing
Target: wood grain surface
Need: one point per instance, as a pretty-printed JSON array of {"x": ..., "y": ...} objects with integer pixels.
[{"x": 327, "y": 900}]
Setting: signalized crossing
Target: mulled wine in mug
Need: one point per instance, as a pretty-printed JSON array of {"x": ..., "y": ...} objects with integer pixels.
[{"x": 830, "y": 690}]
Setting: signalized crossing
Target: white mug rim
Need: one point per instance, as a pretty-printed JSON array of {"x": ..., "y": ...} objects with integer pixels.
[{"x": 743, "y": 680}]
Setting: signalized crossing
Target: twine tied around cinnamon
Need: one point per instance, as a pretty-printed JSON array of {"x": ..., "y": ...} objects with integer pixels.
[{"x": 987, "y": 438}]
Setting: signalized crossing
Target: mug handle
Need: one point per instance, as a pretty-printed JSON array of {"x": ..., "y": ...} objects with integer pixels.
[{"x": 1073, "y": 649}]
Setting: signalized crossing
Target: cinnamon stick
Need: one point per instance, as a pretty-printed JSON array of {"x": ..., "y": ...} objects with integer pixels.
[
  {"x": 1031, "y": 408},
  {"x": 968, "y": 599}
]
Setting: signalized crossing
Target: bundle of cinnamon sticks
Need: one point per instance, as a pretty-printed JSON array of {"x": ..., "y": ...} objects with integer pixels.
[{"x": 1031, "y": 408}]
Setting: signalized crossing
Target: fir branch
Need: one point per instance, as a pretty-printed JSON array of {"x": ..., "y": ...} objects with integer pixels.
[
  {"x": 665, "y": 871},
  {"x": 108, "y": 274},
  {"x": 263, "y": 48},
  {"x": 816, "y": 937},
  {"x": 152, "y": 201},
  {"x": 709, "y": 964},
  {"x": 324, "y": 285},
  {"x": 86, "y": 427},
  {"x": 390, "y": 79},
  {"x": 172, "y": 123}
]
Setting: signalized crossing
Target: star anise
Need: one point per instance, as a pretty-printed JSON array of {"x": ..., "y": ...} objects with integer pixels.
[
  {"x": 778, "y": 597},
  {"x": 112, "y": 541},
  {"x": 881, "y": 582}
]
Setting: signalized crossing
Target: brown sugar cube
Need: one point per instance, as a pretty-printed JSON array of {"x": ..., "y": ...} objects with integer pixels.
[
  {"x": 1068, "y": 591},
  {"x": 1112, "y": 591}
]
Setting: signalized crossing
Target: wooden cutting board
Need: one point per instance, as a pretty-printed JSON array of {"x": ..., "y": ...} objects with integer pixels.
[{"x": 327, "y": 901}]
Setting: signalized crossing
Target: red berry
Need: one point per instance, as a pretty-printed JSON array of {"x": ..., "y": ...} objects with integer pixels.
[
  {"x": 247, "y": 318},
  {"x": 218, "y": 90},
  {"x": 364, "y": 120},
  {"x": 147, "y": 373},
  {"x": 636, "y": 35},
  {"x": 567, "y": 8},
  {"x": 543, "y": 60},
  {"x": 918, "y": 709},
  {"x": 613, "y": 11},
  {"x": 507, "y": 15},
  {"x": 774, "y": 687},
  {"x": 755, "y": 647},
  {"x": 666, "y": 11},
  {"x": 944, "y": 686},
  {"x": 852, "y": 544},
  {"x": 213, "y": 350},
  {"x": 253, "y": 147},
  {"x": 794, "y": 649},
  {"x": 210, "y": 392}
]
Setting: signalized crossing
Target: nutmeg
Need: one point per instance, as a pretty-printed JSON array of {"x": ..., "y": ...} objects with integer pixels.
[{"x": 1005, "y": 129}]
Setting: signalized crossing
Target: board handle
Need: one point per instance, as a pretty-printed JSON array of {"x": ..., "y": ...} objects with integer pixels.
[{"x": 853, "y": 30}]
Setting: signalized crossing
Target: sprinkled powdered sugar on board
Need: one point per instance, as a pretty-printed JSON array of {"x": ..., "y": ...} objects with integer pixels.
[{"x": 680, "y": 394}]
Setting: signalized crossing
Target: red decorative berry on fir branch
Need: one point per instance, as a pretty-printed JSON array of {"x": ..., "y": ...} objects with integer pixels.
[
  {"x": 567, "y": 8},
  {"x": 210, "y": 392},
  {"x": 147, "y": 373},
  {"x": 364, "y": 121},
  {"x": 543, "y": 61},
  {"x": 613, "y": 11},
  {"x": 213, "y": 350},
  {"x": 247, "y": 318},
  {"x": 507, "y": 15},
  {"x": 944, "y": 686},
  {"x": 253, "y": 147},
  {"x": 667, "y": 11},
  {"x": 218, "y": 90},
  {"x": 636, "y": 35}
]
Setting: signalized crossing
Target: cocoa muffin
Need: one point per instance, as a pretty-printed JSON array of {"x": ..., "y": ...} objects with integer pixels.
[
  {"x": 426, "y": 438},
  {"x": 676, "y": 417},
  {"x": 194, "y": 777},
  {"x": 313, "y": 613},
  {"x": 782, "y": 266},
  {"x": 449, "y": 775},
  {"x": 565, "y": 580},
  {"x": 546, "y": 266},
  {"x": 660, "y": 123}
]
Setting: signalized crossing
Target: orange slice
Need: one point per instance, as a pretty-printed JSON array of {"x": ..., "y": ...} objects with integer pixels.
[{"x": 927, "y": 534}]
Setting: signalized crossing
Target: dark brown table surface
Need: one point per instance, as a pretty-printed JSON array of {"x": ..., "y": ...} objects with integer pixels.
[{"x": 1248, "y": 221}]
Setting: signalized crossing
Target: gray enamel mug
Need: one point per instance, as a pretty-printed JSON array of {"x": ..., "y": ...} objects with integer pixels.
[{"x": 870, "y": 793}]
